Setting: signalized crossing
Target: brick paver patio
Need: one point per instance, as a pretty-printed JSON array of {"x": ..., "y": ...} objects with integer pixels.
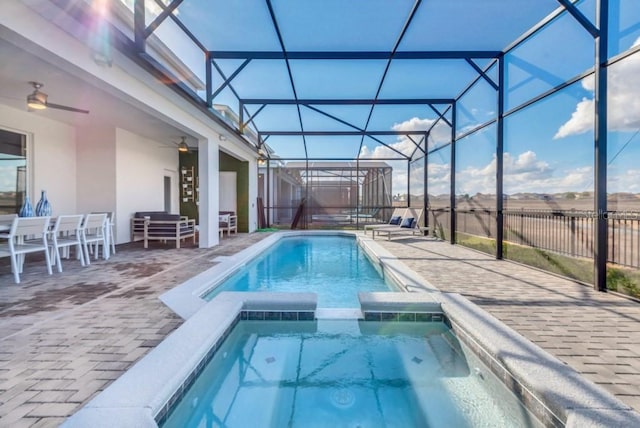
[{"x": 65, "y": 337}]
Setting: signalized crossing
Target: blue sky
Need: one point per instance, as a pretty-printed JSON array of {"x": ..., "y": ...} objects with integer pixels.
[{"x": 549, "y": 146}]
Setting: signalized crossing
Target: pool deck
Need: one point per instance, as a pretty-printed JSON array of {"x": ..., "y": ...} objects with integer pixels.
[{"x": 65, "y": 337}]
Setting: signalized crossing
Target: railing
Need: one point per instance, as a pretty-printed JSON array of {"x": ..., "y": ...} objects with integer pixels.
[
  {"x": 567, "y": 232},
  {"x": 564, "y": 232}
]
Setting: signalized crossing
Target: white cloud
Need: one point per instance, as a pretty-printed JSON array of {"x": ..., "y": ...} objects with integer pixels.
[
  {"x": 525, "y": 163},
  {"x": 440, "y": 134},
  {"x": 524, "y": 172},
  {"x": 581, "y": 120},
  {"x": 624, "y": 100}
]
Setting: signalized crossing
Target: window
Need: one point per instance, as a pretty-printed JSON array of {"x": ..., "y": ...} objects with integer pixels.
[{"x": 13, "y": 171}]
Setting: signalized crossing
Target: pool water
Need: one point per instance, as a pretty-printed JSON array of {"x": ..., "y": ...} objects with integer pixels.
[
  {"x": 346, "y": 374},
  {"x": 334, "y": 267}
]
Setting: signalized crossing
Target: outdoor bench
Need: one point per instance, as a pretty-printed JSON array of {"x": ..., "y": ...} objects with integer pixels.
[{"x": 161, "y": 226}]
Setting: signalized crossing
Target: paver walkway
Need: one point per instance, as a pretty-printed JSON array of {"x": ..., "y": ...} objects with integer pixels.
[
  {"x": 596, "y": 333},
  {"x": 65, "y": 337}
]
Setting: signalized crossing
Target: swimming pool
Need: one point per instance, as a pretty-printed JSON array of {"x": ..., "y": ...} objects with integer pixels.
[
  {"x": 334, "y": 267},
  {"x": 345, "y": 373},
  {"x": 145, "y": 394}
]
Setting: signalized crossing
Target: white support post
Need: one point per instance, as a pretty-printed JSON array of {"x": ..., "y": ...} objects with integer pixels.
[{"x": 208, "y": 169}]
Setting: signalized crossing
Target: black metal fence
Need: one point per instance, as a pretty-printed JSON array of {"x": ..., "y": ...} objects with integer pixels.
[{"x": 567, "y": 232}]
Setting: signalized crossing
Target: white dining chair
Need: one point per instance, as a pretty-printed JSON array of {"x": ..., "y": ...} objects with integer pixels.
[
  {"x": 94, "y": 232},
  {"x": 26, "y": 235},
  {"x": 66, "y": 233},
  {"x": 110, "y": 229}
]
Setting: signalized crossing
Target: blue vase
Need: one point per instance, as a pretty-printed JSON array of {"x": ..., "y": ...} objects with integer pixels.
[
  {"x": 27, "y": 209},
  {"x": 43, "y": 207}
]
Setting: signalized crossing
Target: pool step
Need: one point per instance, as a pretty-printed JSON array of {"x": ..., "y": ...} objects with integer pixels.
[{"x": 338, "y": 313}]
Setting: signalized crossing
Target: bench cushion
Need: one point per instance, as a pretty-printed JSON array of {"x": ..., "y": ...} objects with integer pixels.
[
  {"x": 408, "y": 223},
  {"x": 395, "y": 220},
  {"x": 143, "y": 214}
]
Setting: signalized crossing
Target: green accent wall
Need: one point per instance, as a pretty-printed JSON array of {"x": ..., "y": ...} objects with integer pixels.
[
  {"x": 229, "y": 163},
  {"x": 188, "y": 160}
]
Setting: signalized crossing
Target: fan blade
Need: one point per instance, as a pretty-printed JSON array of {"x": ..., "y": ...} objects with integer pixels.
[{"x": 61, "y": 107}]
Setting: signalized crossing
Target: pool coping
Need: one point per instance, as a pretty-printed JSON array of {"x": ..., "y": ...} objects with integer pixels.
[{"x": 553, "y": 391}]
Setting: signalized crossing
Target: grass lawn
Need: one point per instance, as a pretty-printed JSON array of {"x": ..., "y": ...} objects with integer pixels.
[{"x": 620, "y": 279}]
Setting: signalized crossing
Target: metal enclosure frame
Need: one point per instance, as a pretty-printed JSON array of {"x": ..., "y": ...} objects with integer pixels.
[{"x": 597, "y": 30}]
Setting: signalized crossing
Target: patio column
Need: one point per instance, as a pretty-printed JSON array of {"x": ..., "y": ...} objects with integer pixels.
[{"x": 208, "y": 182}]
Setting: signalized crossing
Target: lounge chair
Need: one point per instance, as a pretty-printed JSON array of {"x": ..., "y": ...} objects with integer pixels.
[
  {"x": 410, "y": 225},
  {"x": 394, "y": 221},
  {"x": 365, "y": 217}
]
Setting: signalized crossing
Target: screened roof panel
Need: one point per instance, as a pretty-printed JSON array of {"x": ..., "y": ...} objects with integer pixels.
[
  {"x": 338, "y": 78},
  {"x": 287, "y": 147},
  {"x": 249, "y": 83},
  {"x": 473, "y": 24},
  {"x": 339, "y": 25},
  {"x": 426, "y": 78},
  {"x": 337, "y": 147},
  {"x": 403, "y": 117},
  {"x": 624, "y": 28},
  {"x": 395, "y": 146},
  {"x": 354, "y": 114},
  {"x": 276, "y": 118},
  {"x": 588, "y": 8},
  {"x": 230, "y": 25},
  {"x": 315, "y": 118},
  {"x": 375, "y": 66}
]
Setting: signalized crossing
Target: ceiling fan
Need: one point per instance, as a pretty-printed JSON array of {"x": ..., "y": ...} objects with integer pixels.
[
  {"x": 182, "y": 146},
  {"x": 37, "y": 100}
]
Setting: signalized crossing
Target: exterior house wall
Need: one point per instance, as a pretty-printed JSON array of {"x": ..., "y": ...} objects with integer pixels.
[
  {"x": 141, "y": 165},
  {"x": 128, "y": 156},
  {"x": 51, "y": 152},
  {"x": 96, "y": 153}
]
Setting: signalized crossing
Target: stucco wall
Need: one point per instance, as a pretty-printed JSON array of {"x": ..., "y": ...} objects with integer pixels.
[
  {"x": 51, "y": 156},
  {"x": 96, "y": 152},
  {"x": 141, "y": 165}
]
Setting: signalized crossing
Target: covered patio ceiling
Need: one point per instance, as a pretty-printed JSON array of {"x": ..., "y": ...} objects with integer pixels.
[{"x": 335, "y": 80}]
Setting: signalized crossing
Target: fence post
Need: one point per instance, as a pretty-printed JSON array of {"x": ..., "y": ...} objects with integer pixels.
[{"x": 573, "y": 235}]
